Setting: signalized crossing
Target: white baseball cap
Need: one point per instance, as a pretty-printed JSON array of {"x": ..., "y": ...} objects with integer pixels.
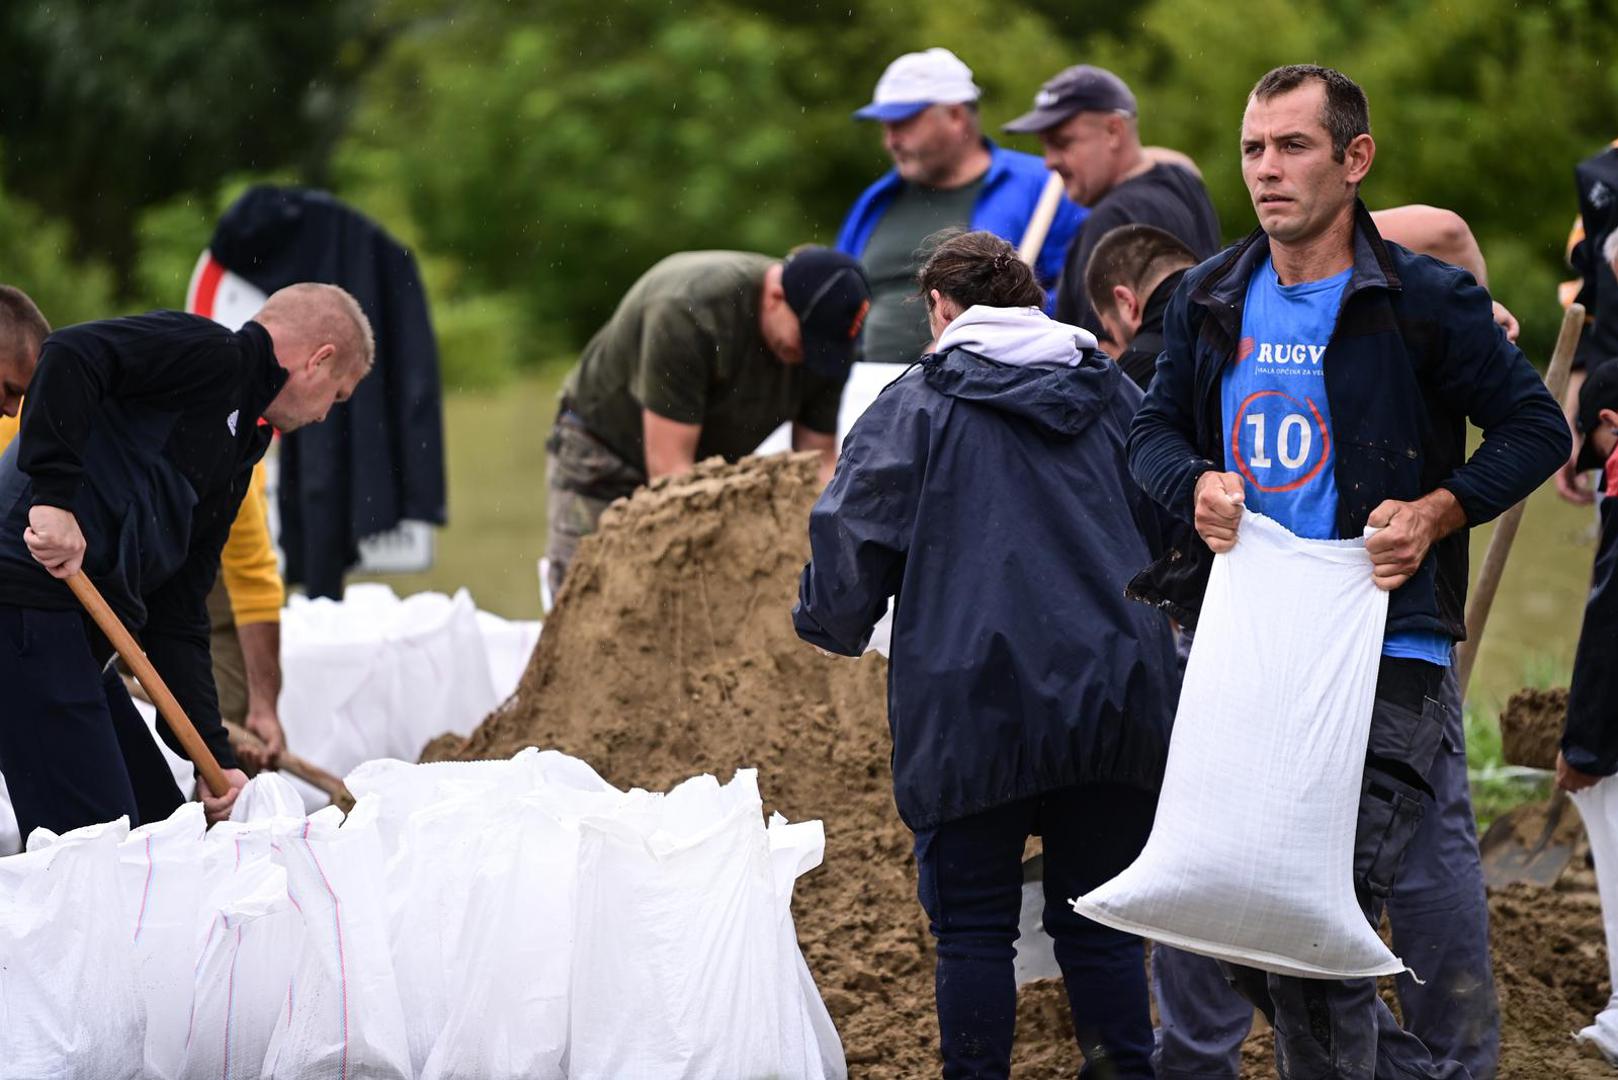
[{"x": 917, "y": 80}]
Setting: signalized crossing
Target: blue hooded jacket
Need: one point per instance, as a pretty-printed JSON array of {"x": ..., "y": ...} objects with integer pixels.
[
  {"x": 1011, "y": 190},
  {"x": 993, "y": 501}
]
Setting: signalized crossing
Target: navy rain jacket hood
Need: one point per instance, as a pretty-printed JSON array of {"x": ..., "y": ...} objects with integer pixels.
[{"x": 986, "y": 490}]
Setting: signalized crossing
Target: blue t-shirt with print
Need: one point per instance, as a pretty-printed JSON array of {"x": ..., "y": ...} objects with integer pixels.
[{"x": 1278, "y": 421}]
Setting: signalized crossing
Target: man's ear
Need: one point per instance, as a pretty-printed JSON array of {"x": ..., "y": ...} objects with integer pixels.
[
  {"x": 323, "y": 356},
  {"x": 1124, "y": 299},
  {"x": 1609, "y": 417},
  {"x": 1358, "y": 155}
]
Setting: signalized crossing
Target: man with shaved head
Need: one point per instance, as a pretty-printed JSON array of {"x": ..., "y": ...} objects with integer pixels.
[{"x": 137, "y": 444}]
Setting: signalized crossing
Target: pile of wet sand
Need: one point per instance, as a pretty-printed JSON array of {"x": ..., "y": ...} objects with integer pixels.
[{"x": 671, "y": 653}]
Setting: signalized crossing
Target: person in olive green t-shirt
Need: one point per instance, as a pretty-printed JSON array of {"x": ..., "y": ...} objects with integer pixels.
[{"x": 708, "y": 353}]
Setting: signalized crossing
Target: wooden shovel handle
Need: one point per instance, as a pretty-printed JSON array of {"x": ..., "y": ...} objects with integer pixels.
[
  {"x": 1505, "y": 529},
  {"x": 1039, "y": 223},
  {"x": 156, "y": 689},
  {"x": 306, "y": 771}
]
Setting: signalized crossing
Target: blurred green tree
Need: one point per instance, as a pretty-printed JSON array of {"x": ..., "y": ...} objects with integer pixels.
[{"x": 111, "y": 108}]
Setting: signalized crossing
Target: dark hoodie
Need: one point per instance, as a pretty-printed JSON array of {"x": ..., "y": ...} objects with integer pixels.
[{"x": 992, "y": 499}]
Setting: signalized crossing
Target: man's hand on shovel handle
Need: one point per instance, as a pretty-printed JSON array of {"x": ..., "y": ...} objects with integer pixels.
[
  {"x": 54, "y": 539},
  {"x": 217, "y": 807},
  {"x": 268, "y": 728}
]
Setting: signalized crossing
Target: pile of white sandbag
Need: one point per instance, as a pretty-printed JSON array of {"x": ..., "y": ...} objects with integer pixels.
[
  {"x": 375, "y": 676},
  {"x": 486, "y": 920}
]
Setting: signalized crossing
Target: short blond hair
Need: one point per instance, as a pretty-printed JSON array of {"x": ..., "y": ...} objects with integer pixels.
[
  {"x": 317, "y": 314},
  {"x": 22, "y": 327}
]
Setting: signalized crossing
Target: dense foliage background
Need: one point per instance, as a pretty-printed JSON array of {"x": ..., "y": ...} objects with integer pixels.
[{"x": 539, "y": 155}]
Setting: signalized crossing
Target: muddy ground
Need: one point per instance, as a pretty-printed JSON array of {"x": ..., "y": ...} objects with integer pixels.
[{"x": 671, "y": 653}]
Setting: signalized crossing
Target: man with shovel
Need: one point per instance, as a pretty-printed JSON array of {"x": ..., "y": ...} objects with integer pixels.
[
  {"x": 245, "y": 605},
  {"x": 1323, "y": 377},
  {"x": 138, "y": 439}
]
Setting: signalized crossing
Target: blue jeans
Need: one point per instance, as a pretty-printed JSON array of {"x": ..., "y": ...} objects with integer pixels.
[
  {"x": 1440, "y": 921},
  {"x": 73, "y": 749},
  {"x": 970, "y": 881}
]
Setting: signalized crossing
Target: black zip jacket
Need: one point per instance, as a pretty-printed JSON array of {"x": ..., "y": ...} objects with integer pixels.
[
  {"x": 146, "y": 428},
  {"x": 1414, "y": 356}
]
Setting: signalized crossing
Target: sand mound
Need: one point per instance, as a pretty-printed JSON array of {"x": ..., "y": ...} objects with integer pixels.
[
  {"x": 1531, "y": 727},
  {"x": 671, "y": 653}
]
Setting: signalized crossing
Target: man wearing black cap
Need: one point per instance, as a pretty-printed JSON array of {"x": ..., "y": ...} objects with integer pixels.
[
  {"x": 1086, "y": 118},
  {"x": 708, "y": 353},
  {"x": 1590, "y": 739}
]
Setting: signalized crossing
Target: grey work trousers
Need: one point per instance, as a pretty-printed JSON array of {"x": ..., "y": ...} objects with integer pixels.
[{"x": 1436, "y": 907}]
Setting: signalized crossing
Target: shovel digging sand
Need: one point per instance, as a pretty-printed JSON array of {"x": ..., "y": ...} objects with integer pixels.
[{"x": 1536, "y": 841}]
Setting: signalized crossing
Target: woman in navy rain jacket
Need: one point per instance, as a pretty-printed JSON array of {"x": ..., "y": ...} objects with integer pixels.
[{"x": 986, "y": 490}]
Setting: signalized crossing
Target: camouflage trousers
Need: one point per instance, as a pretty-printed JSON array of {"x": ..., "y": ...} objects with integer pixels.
[{"x": 584, "y": 476}]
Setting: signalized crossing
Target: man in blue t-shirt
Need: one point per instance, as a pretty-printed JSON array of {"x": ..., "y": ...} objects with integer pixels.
[
  {"x": 1318, "y": 374},
  {"x": 1279, "y": 419}
]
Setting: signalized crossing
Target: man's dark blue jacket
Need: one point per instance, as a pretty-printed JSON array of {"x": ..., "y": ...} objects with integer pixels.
[
  {"x": 146, "y": 428},
  {"x": 994, "y": 503},
  {"x": 1414, "y": 356}
]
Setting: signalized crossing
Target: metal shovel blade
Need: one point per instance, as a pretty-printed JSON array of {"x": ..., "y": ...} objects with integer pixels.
[{"x": 1533, "y": 843}]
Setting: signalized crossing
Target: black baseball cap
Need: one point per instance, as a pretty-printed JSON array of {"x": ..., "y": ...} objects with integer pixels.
[
  {"x": 828, "y": 292},
  {"x": 1600, "y": 391},
  {"x": 1080, "y": 88}
]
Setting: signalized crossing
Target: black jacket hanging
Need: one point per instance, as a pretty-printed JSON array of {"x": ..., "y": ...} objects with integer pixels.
[{"x": 380, "y": 459}]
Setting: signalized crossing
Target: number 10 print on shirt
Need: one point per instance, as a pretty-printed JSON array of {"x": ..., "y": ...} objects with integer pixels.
[
  {"x": 1279, "y": 443},
  {"x": 1273, "y": 398}
]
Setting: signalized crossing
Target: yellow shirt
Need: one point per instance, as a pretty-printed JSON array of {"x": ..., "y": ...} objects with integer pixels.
[{"x": 252, "y": 577}]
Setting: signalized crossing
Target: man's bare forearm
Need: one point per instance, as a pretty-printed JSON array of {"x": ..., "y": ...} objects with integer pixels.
[{"x": 261, "y": 657}]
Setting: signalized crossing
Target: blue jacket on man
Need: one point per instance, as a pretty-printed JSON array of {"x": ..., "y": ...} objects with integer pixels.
[
  {"x": 1414, "y": 356},
  {"x": 992, "y": 501},
  {"x": 1011, "y": 190}
]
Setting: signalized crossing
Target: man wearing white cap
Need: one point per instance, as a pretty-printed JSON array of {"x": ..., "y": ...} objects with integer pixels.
[{"x": 945, "y": 174}]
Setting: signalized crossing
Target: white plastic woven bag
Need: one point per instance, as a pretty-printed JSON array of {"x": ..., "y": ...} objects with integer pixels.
[
  {"x": 248, "y": 935},
  {"x": 508, "y": 1000},
  {"x": 1251, "y": 854},
  {"x": 68, "y": 1002},
  {"x": 161, "y": 871},
  {"x": 342, "y": 1020},
  {"x": 676, "y": 969}
]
